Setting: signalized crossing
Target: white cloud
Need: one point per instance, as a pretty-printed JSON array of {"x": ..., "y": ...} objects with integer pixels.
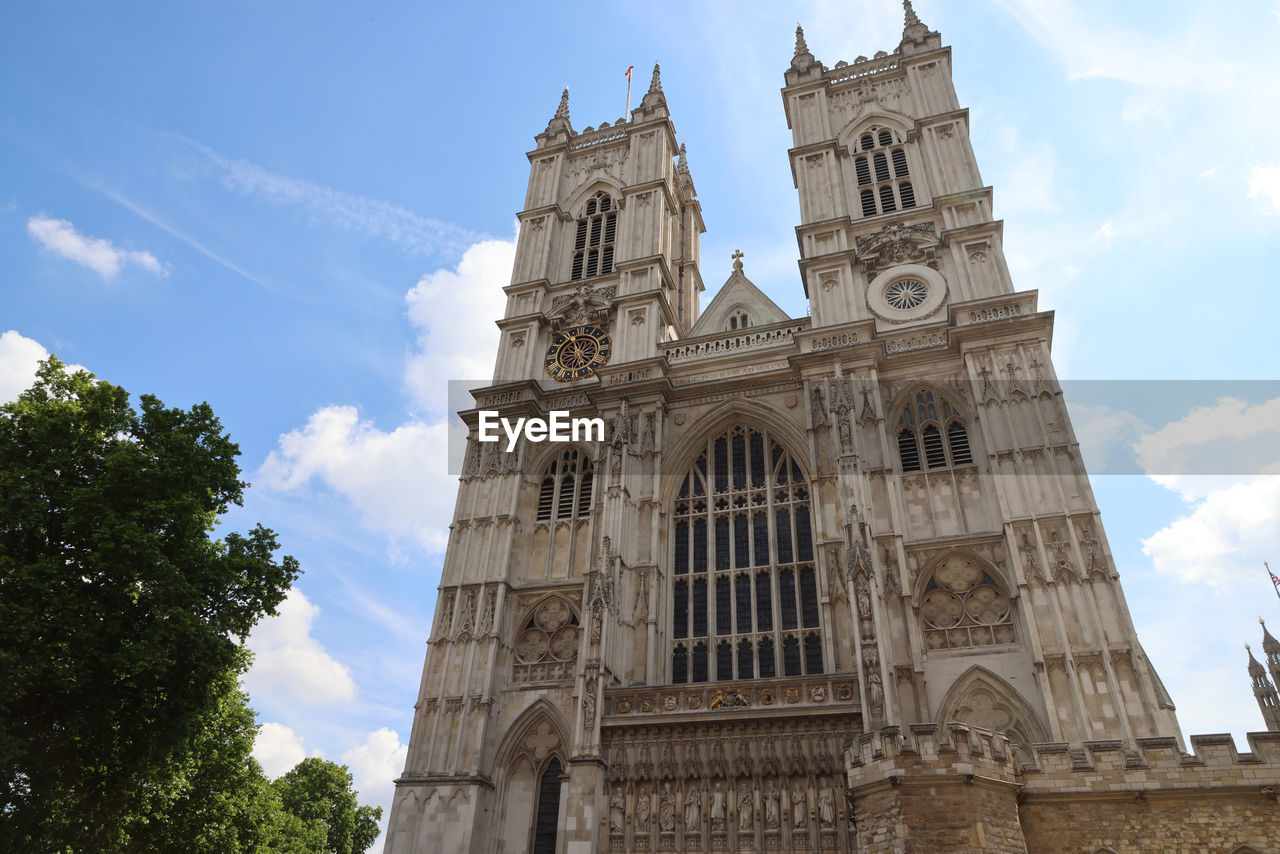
[
  {"x": 398, "y": 480},
  {"x": 1103, "y": 434},
  {"x": 19, "y": 357},
  {"x": 289, "y": 664},
  {"x": 1230, "y": 439},
  {"x": 375, "y": 764},
  {"x": 453, "y": 312},
  {"x": 1226, "y": 536},
  {"x": 60, "y": 237},
  {"x": 346, "y": 211},
  {"x": 1264, "y": 185},
  {"x": 1223, "y": 460},
  {"x": 1105, "y": 234},
  {"x": 277, "y": 749}
]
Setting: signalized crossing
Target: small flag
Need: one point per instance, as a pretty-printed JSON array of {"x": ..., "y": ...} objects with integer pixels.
[
  {"x": 629, "y": 67},
  {"x": 1275, "y": 579}
]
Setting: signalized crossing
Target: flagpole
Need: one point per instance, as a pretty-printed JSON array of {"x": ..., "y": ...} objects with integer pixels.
[
  {"x": 1275, "y": 580},
  {"x": 627, "y": 115}
]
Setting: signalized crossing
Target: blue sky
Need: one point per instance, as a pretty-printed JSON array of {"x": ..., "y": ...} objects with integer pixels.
[{"x": 303, "y": 213}]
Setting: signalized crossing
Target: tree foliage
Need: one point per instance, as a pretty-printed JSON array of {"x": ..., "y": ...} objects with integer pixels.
[
  {"x": 317, "y": 790},
  {"x": 122, "y": 621}
]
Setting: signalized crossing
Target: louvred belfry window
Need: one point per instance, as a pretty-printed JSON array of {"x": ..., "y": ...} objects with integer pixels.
[
  {"x": 745, "y": 586},
  {"x": 880, "y": 166},
  {"x": 594, "y": 237},
  {"x": 565, "y": 491},
  {"x": 932, "y": 435}
]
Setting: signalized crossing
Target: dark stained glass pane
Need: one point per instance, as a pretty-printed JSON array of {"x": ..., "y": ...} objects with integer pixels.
[
  {"x": 548, "y": 821},
  {"x": 682, "y": 547},
  {"x": 745, "y": 669},
  {"x": 680, "y": 615},
  {"x": 722, "y": 542},
  {"x": 804, "y": 537},
  {"x": 720, "y": 452},
  {"x": 741, "y": 541},
  {"x": 787, "y": 598},
  {"x": 742, "y": 593},
  {"x": 724, "y": 599},
  {"x": 783, "y": 534},
  {"x": 757, "y": 459},
  {"x": 699, "y": 663},
  {"x": 808, "y": 597},
  {"x": 791, "y": 656},
  {"x": 724, "y": 662},
  {"x": 739, "y": 462},
  {"x": 700, "y": 545},
  {"x": 760, "y": 524},
  {"x": 768, "y": 667},
  {"x": 679, "y": 665},
  {"x": 812, "y": 655},
  {"x": 700, "y": 608},
  {"x": 764, "y": 603}
]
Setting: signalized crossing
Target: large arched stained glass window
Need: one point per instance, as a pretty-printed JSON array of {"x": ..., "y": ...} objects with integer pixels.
[{"x": 744, "y": 589}]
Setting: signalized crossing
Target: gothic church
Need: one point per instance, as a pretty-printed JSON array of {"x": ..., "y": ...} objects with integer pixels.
[{"x": 833, "y": 583}]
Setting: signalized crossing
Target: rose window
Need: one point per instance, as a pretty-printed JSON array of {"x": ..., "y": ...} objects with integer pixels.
[
  {"x": 906, "y": 294},
  {"x": 964, "y": 606}
]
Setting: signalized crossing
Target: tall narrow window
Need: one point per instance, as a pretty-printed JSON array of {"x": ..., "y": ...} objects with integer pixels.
[
  {"x": 593, "y": 242},
  {"x": 883, "y": 173},
  {"x": 547, "y": 822},
  {"x": 752, "y": 582},
  {"x": 921, "y": 429},
  {"x": 565, "y": 491}
]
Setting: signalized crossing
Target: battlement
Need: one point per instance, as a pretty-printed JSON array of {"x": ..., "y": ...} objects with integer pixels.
[
  {"x": 1155, "y": 764},
  {"x": 927, "y": 749}
]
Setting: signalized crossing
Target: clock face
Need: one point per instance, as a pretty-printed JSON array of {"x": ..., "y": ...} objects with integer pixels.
[{"x": 576, "y": 353}]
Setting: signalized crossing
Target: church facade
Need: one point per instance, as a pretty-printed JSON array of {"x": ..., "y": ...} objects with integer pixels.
[{"x": 831, "y": 583}]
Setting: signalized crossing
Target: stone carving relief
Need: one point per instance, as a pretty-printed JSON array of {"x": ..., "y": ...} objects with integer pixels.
[
  {"x": 898, "y": 243},
  {"x": 587, "y": 305}
]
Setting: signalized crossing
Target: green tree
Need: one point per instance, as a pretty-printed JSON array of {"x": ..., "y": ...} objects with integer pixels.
[
  {"x": 121, "y": 617},
  {"x": 320, "y": 790}
]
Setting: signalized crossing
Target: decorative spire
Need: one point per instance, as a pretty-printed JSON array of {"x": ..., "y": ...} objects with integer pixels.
[
  {"x": 801, "y": 47},
  {"x": 682, "y": 165},
  {"x": 655, "y": 85},
  {"x": 562, "y": 111},
  {"x": 911, "y": 19},
  {"x": 737, "y": 260},
  {"x": 1255, "y": 667},
  {"x": 1269, "y": 644}
]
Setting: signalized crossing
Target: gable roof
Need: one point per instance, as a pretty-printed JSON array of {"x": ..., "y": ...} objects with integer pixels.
[{"x": 738, "y": 292}]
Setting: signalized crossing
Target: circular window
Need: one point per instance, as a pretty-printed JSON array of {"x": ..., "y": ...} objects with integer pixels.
[{"x": 906, "y": 294}]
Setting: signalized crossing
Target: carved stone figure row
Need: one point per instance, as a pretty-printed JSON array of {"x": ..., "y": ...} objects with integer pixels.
[
  {"x": 723, "y": 754},
  {"x": 785, "y": 801}
]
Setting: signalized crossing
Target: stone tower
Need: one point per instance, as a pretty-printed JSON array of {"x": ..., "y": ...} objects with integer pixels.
[
  {"x": 1264, "y": 689},
  {"x": 795, "y": 532}
]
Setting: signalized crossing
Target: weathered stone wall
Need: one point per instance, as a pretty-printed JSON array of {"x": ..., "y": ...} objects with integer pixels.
[
  {"x": 959, "y": 788},
  {"x": 1154, "y": 798}
]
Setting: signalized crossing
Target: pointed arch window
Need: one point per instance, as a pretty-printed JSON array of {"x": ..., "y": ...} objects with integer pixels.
[
  {"x": 566, "y": 487},
  {"x": 932, "y": 435},
  {"x": 547, "y": 819},
  {"x": 883, "y": 174},
  {"x": 744, "y": 586},
  {"x": 594, "y": 238}
]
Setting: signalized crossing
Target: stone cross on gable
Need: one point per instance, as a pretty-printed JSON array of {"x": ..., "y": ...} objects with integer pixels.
[{"x": 737, "y": 260}]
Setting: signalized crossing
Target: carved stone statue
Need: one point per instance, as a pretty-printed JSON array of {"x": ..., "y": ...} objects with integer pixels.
[
  {"x": 826, "y": 808},
  {"x": 643, "y": 807},
  {"x": 719, "y": 807},
  {"x": 864, "y": 602},
  {"x": 617, "y": 810},
  {"x": 772, "y": 819},
  {"x": 799, "y": 809},
  {"x": 692, "y": 810},
  {"x": 667, "y": 810},
  {"x": 745, "y": 809},
  {"x": 875, "y": 693}
]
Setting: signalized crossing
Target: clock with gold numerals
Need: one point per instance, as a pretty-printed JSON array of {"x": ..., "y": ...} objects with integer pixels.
[{"x": 576, "y": 353}]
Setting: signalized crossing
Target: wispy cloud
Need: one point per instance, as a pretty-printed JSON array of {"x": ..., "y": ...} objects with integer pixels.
[
  {"x": 59, "y": 237},
  {"x": 1264, "y": 185},
  {"x": 190, "y": 241},
  {"x": 348, "y": 212}
]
